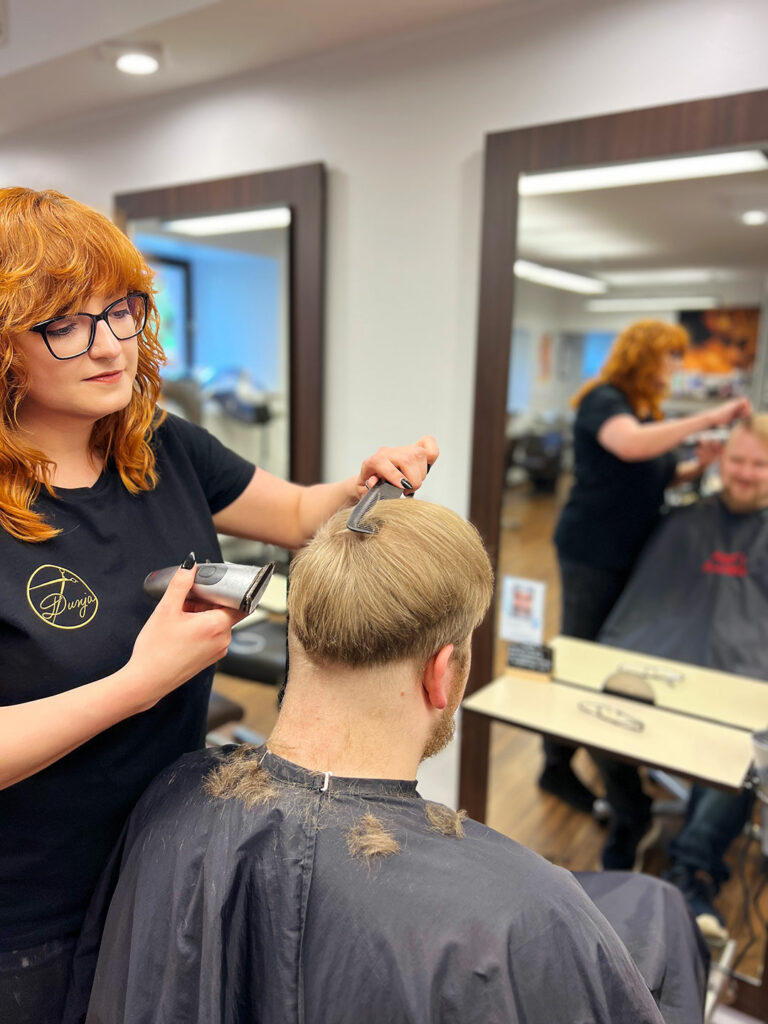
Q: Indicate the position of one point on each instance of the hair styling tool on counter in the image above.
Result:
(610, 714)
(381, 489)
(221, 583)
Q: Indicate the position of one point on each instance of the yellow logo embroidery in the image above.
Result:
(60, 598)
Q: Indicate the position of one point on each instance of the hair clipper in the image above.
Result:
(219, 583)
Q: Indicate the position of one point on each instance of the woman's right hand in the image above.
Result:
(175, 644)
(735, 409)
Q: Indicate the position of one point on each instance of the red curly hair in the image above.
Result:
(54, 253)
(634, 364)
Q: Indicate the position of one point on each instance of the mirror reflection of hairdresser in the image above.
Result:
(699, 594)
(98, 691)
(623, 462)
(307, 880)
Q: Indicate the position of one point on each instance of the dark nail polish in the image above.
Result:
(406, 484)
(189, 561)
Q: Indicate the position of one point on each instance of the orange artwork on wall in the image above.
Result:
(723, 340)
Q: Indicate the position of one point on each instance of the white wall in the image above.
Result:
(400, 124)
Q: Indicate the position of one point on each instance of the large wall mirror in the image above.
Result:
(677, 250)
(239, 266)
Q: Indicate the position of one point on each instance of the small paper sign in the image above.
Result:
(522, 610)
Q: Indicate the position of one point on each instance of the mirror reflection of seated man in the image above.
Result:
(307, 879)
(699, 595)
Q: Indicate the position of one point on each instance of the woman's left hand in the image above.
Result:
(404, 467)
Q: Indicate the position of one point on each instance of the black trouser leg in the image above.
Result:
(624, 791)
(34, 982)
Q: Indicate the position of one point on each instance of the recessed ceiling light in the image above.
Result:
(754, 218)
(618, 175)
(226, 223)
(137, 63)
(132, 58)
(663, 302)
(554, 278)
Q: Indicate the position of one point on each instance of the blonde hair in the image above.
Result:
(634, 362)
(422, 582)
(54, 252)
(756, 424)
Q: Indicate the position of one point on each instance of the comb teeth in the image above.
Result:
(362, 528)
(382, 489)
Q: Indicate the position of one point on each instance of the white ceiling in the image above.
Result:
(51, 66)
(678, 225)
(38, 31)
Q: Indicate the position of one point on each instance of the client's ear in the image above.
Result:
(437, 677)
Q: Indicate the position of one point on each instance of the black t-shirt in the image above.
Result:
(70, 611)
(613, 505)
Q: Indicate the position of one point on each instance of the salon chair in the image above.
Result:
(541, 455)
(258, 652)
(222, 711)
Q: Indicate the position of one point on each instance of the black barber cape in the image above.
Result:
(229, 915)
(699, 593)
(653, 921)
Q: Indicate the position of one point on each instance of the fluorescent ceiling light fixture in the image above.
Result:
(137, 63)
(754, 218)
(553, 278)
(229, 223)
(645, 173)
(669, 275)
(663, 302)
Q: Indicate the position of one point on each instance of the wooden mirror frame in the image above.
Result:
(726, 122)
(302, 189)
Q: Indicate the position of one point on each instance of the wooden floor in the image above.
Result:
(517, 807)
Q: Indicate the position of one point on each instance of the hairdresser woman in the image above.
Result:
(98, 691)
(624, 460)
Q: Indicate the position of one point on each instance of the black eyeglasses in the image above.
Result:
(67, 337)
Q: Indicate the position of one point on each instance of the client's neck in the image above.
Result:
(358, 723)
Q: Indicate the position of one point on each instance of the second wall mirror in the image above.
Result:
(538, 343)
(240, 266)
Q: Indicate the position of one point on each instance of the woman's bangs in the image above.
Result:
(100, 260)
(113, 265)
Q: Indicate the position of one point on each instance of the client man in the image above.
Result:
(699, 595)
(307, 880)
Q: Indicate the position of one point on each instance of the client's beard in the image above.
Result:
(442, 735)
(733, 504)
(445, 729)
